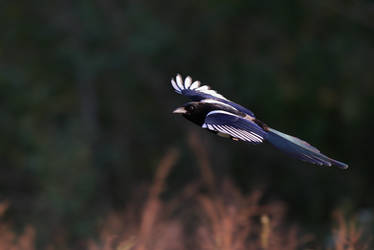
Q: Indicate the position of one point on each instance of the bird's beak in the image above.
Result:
(180, 110)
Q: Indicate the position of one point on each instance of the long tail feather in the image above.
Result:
(300, 149)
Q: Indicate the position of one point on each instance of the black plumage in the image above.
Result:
(210, 110)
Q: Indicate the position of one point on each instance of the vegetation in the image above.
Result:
(204, 215)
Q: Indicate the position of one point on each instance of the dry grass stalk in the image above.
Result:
(347, 235)
(148, 228)
(265, 231)
(233, 221)
(226, 219)
(153, 205)
(9, 240)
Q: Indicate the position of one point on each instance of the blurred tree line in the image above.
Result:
(86, 101)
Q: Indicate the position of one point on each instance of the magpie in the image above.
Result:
(214, 112)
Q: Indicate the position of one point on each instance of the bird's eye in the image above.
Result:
(190, 108)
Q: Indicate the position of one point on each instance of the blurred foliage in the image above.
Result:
(86, 101)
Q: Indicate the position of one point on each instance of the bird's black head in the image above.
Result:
(194, 111)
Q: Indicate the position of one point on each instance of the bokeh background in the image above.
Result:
(86, 101)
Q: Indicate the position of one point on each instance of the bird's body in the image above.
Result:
(214, 112)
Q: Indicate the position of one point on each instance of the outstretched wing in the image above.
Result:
(197, 92)
(194, 90)
(235, 126)
(300, 149)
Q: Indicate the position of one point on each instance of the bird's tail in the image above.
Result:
(300, 149)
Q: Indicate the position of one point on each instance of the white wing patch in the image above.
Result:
(179, 85)
(235, 133)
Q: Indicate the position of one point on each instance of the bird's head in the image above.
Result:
(193, 111)
(189, 108)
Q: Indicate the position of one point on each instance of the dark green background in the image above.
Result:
(86, 101)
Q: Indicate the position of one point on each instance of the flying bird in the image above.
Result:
(212, 111)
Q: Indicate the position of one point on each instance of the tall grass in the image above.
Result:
(207, 214)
